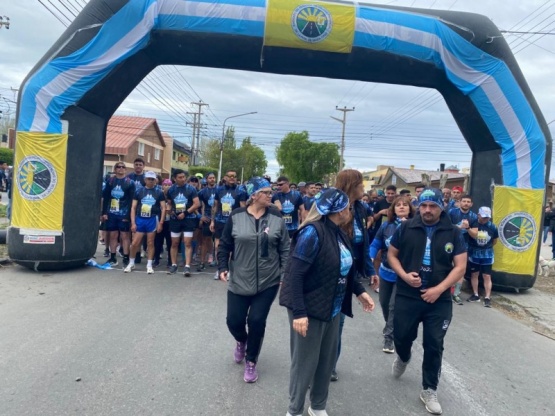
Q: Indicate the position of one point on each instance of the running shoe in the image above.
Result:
(112, 263)
(251, 375)
(173, 269)
(149, 270)
(239, 352)
(129, 268)
(457, 299)
(473, 298)
(487, 302)
(313, 412)
(388, 346)
(399, 367)
(429, 398)
(187, 271)
(334, 376)
(201, 267)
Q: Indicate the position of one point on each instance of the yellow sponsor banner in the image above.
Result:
(313, 25)
(517, 214)
(39, 181)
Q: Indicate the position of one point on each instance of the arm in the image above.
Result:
(473, 232)
(195, 206)
(133, 215)
(162, 216)
(430, 295)
(412, 278)
(214, 210)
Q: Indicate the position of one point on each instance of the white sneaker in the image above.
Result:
(289, 414)
(217, 276)
(129, 268)
(149, 270)
(313, 412)
(429, 398)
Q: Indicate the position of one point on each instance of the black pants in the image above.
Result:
(435, 318)
(387, 302)
(251, 311)
(159, 242)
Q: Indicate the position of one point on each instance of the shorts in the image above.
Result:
(218, 229)
(479, 267)
(115, 223)
(206, 229)
(186, 225)
(146, 225)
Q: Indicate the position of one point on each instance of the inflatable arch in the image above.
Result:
(67, 99)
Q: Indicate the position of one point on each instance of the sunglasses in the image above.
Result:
(120, 167)
(231, 176)
(280, 184)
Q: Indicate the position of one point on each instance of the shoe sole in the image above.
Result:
(187, 274)
(250, 381)
(429, 411)
(388, 351)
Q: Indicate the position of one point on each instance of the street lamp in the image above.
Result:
(222, 143)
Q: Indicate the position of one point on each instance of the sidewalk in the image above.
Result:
(532, 305)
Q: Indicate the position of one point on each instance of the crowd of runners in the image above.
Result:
(318, 244)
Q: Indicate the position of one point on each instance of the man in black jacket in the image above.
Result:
(428, 253)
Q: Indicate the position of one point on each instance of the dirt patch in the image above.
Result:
(546, 283)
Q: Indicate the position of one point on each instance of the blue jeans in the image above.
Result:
(545, 232)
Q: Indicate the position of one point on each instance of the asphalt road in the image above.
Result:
(159, 345)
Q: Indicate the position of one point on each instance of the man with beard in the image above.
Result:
(428, 254)
(290, 204)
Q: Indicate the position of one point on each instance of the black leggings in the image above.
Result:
(159, 242)
(252, 311)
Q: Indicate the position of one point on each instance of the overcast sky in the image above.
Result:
(386, 117)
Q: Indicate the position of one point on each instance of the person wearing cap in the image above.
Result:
(302, 188)
(317, 287)
(483, 236)
(456, 194)
(252, 255)
(149, 205)
(165, 234)
(428, 254)
(184, 205)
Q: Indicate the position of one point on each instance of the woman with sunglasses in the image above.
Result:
(252, 254)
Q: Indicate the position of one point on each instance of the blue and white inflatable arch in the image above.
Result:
(69, 96)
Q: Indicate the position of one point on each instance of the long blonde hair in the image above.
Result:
(313, 216)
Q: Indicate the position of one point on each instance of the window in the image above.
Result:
(141, 149)
(174, 156)
(148, 158)
(156, 154)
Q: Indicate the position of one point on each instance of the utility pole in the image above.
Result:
(343, 121)
(195, 153)
(194, 124)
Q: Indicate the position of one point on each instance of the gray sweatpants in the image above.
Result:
(312, 361)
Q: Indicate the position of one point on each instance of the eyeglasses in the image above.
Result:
(231, 176)
(280, 184)
(267, 193)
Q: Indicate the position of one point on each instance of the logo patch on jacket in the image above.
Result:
(449, 248)
(445, 325)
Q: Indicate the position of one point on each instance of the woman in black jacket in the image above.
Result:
(318, 285)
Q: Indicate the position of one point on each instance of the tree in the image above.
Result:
(303, 160)
(248, 157)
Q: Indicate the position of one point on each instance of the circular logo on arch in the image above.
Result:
(311, 23)
(518, 231)
(36, 178)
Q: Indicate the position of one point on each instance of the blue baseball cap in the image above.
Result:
(431, 195)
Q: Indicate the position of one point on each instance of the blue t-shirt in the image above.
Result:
(482, 246)
(139, 180)
(148, 201)
(118, 196)
(381, 242)
(181, 198)
(457, 216)
(290, 205)
(207, 196)
(307, 249)
(229, 198)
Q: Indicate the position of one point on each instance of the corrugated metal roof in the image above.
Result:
(415, 175)
(123, 131)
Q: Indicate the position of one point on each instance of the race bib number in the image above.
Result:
(146, 210)
(179, 208)
(226, 209)
(288, 219)
(114, 205)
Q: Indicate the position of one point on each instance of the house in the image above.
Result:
(128, 138)
(371, 179)
(181, 154)
(404, 178)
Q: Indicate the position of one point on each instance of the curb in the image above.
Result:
(523, 313)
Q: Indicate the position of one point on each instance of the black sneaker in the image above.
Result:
(106, 253)
(187, 271)
(173, 269)
(200, 267)
(112, 262)
(487, 302)
(125, 261)
(457, 299)
(473, 298)
(334, 376)
(388, 346)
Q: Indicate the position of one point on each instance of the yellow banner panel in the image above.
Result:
(517, 214)
(312, 25)
(39, 181)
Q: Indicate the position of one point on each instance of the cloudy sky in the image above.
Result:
(396, 125)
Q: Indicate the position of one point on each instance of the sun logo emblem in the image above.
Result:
(518, 231)
(36, 178)
(311, 23)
